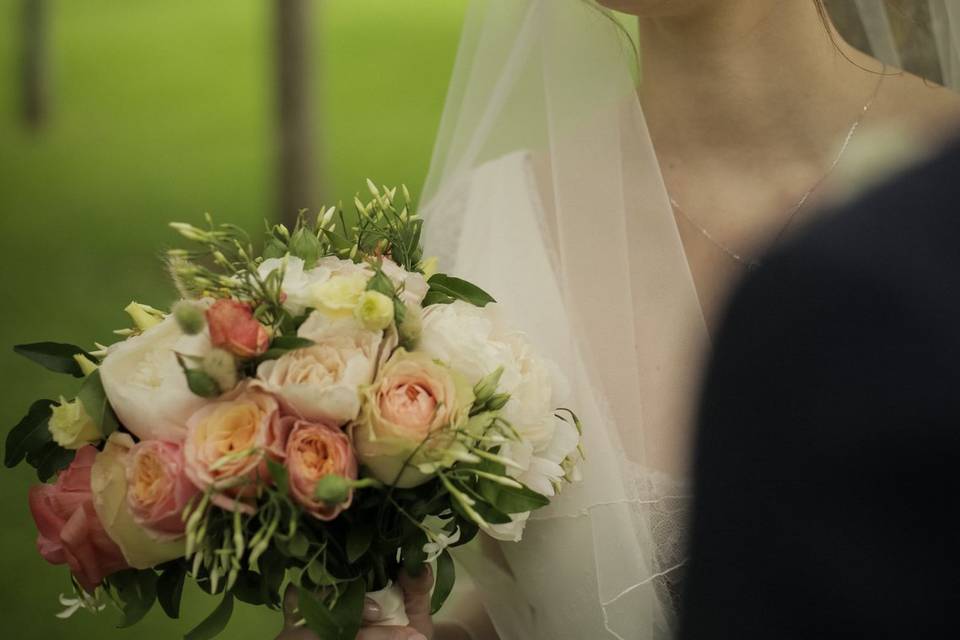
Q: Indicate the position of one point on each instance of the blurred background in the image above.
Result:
(117, 117)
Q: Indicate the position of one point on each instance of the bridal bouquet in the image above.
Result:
(326, 414)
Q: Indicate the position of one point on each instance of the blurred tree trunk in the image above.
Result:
(297, 168)
(34, 90)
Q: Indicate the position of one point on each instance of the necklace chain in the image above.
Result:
(751, 263)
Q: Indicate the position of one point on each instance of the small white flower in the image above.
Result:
(80, 601)
(439, 541)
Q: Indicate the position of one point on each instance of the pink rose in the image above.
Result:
(316, 450)
(158, 489)
(70, 532)
(233, 327)
(227, 442)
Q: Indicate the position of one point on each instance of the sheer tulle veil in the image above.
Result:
(553, 83)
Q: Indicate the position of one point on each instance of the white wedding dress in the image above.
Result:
(545, 190)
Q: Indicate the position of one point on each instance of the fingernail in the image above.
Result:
(372, 611)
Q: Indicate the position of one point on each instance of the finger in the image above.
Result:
(372, 612)
(390, 633)
(416, 599)
(416, 591)
(291, 606)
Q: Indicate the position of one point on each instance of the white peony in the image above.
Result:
(473, 341)
(145, 384)
(468, 339)
(321, 383)
(297, 281)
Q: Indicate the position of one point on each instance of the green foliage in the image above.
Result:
(95, 403)
(136, 591)
(445, 289)
(281, 345)
(30, 439)
(30, 434)
(359, 539)
(445, 576)
(49, 460)
(55, 356)
(170, 589)
(215, 623)
(338, 620)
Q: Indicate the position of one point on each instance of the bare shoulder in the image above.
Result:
(928, 109)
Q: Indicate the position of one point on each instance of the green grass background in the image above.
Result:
(161, 111)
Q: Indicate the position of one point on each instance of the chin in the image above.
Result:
(654, 8)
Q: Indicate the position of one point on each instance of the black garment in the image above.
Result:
(827, 473)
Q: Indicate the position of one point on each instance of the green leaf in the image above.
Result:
(290, 342)
(170, 590)
(215, 623)
(443, 585)
(491, 513)
(412, 554)
(509, 499)
(281, 345)
(299, 545)
(436, 297)
(340, 622)
(138, 591)
(55, 356)
(95, 403)
(251, 588)
(50, 459)
(381, 283)
(447, 288)
(279, 474)
(359, 538)
(29, 434)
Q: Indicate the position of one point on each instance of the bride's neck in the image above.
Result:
(743, 74)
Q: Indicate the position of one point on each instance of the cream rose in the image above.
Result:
(108, 483)
(321, 383)
(145, 383)
(227, 442)
(408, 417)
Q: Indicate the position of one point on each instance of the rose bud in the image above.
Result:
(233, 327)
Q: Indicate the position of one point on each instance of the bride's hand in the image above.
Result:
(416, 592)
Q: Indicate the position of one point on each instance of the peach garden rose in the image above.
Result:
(409, 411)
(158, 488)
(227, 442)
(314, 451)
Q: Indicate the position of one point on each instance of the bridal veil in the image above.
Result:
(588, 240)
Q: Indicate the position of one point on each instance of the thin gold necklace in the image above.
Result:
(752, 263)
